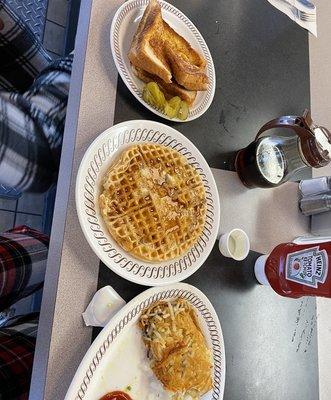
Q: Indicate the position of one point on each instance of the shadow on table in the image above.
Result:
(228, 273)
(225, 273)
(218, 274)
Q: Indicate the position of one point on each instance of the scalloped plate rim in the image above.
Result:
(132, 305)
(159, 281)
(206, 53)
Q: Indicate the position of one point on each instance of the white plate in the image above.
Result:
(95, 164)
(123, 28)
(115, 359)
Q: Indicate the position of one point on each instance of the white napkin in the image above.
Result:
(285, 7)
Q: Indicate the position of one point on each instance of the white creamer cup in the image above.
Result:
(234, 244)
(103, 306)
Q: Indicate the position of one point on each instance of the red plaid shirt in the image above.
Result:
(23, 256)
(17, 344)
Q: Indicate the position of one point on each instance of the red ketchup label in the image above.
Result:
(296, 270)
(308, 267)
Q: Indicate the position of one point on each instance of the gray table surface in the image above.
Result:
(262, 71)
(260, 74)
(270, 341)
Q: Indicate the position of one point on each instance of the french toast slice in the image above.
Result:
(186, 74)
(146, 49)
(169, 89)
(160, 51)
(187, 65)
(181, 46)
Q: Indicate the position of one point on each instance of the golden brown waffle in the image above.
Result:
(153, 202)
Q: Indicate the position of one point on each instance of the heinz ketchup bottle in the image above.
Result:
(296, 270)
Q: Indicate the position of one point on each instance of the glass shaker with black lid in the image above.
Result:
(273, 159)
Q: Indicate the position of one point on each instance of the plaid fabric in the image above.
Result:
(27, 325)
(17, 344)
(22, 54)
(23, 256)
(31, 129)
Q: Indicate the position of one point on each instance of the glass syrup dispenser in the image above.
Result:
(273, 159)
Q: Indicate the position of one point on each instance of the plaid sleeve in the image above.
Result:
(17, 345)
(31, 129)
(23, 256)
(22, 54)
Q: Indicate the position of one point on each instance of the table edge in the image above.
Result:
(40, 364)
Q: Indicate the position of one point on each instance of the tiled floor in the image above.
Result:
(8, 204)
(57, 11)
(27, 210)
(31, 203)
(54, 35)
(7, 219)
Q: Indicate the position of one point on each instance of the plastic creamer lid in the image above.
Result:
(103, 306)
(259, 270)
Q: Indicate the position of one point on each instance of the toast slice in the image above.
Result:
(169, 89)
(188, 75)
(159, 50)
(146, 49)
(187, 65)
